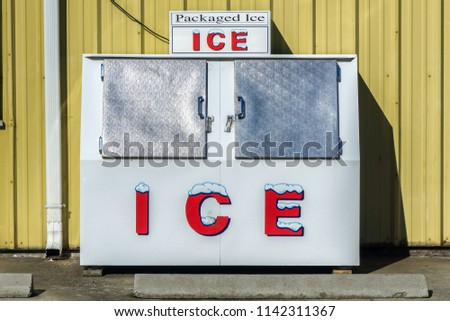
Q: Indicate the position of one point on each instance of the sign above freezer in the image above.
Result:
(238, 32)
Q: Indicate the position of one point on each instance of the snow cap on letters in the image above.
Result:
(142, 188)
(283, 188)
(208, 188)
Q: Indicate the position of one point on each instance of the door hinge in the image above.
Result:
(102, 72)
(100, 145)
(338, 73)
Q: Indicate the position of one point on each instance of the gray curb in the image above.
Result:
(338, 286)
(16, 285)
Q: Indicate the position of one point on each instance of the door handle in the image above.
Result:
(241, 115)
(200, 101)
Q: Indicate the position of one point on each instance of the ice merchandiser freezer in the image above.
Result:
(220, 161)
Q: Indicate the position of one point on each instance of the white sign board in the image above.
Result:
(217, 32)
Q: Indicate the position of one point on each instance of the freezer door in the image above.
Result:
(154, 108)
(292, 103)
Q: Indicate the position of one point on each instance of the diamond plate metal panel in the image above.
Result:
(150, 105)
(292, 103)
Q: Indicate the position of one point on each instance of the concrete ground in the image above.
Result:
(63, 279)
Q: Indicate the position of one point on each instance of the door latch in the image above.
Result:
(230, 121)
(209, 121)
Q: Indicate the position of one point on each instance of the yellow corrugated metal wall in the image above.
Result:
(22, 144)
(404, 56)
(7, 208)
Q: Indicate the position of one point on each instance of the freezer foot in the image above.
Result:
(343, 270)
(93, 271)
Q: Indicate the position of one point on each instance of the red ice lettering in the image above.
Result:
(208, 226)
(282, 201)
(281, 206)
(239, 40)
(211, 42)
(142, 202)
(196, 40)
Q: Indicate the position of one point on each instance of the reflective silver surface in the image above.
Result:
(295, 101)
(152, 101)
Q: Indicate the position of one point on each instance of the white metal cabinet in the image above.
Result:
(329, 210)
